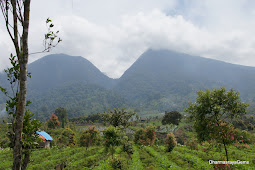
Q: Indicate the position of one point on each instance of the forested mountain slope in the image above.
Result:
(159, 80)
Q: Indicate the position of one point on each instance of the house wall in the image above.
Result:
(47, 144)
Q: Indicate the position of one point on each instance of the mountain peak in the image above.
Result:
(56, 69)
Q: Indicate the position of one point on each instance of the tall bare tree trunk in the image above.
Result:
(23, 59)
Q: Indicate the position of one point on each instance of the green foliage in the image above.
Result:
(50, 37)
(118, 117)
(84, 95)
(170, 142)
(213, 106)
(244, 123)
(67, 138)
(191, 144)
(145, 136)
(30, 126)
(61, 113)
(222, 132)
(128, 147)
(143, 158)
(173, 117)
(85, 119)
(211, 112)
(242, 136)
(162, 160)
(136, 162)
(116, 162)
(112, 137)
(53, 123)
(180, 135)
(89, 137)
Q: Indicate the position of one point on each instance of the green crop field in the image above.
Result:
(143, 157)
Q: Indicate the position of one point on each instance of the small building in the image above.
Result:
(143, 119)
(46, 139)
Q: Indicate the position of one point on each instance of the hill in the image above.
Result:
(167, 80)
(160, 80)
(77, 98)
(71, 82)
(57, 69)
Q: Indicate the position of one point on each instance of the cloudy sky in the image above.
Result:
(112, 34)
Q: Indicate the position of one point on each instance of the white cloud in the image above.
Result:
(113, 35)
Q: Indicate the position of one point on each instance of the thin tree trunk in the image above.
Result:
(23, 59)
(26, 159)
(226, 151)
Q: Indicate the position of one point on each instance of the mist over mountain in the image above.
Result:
(56, 69)
(167, 80)
(159, 80)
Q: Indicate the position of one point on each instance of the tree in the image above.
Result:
(89, 137)
(61, 113)
(17, 25)
(212, 112)
(145, 136)
(67, 137)
(30, 126)
(173, 117)
(170, 142)
(118, 117)
(53, 122)
(112, 137)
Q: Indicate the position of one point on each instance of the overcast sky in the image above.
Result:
(112, 34)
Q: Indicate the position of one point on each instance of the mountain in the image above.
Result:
(160, 80)
(77, 98)
(163, 79)
(57, 69)
(72, 82)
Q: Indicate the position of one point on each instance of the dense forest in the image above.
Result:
(160, 80)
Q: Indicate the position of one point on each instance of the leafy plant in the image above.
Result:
(145, 136)
(191, 143)
(212, 110)
(112, 138)
(53, 123)
(89, 137)
(67, 138)
(170, 142)
(118, 117)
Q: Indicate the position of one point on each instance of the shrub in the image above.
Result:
(128, 147)
(145, 136)
(67, 138)
(170, 142)
(89, 137)
(181, 136)
(116, 163)
(192, 144)
(243, 136)
(53, 123)
(112, 137)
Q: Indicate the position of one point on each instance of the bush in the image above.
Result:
(243, 136)
(67, 138)
(112, 137)
(170, 142)
(145, 136)
(89, 137)
(192, 144)
(5, 143)
(116, 163)
(128, 147)
(181, 136)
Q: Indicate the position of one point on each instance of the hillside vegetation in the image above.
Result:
(160, 80)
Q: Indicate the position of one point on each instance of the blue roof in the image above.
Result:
(45, 135)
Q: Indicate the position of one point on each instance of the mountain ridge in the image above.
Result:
(157, 81)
